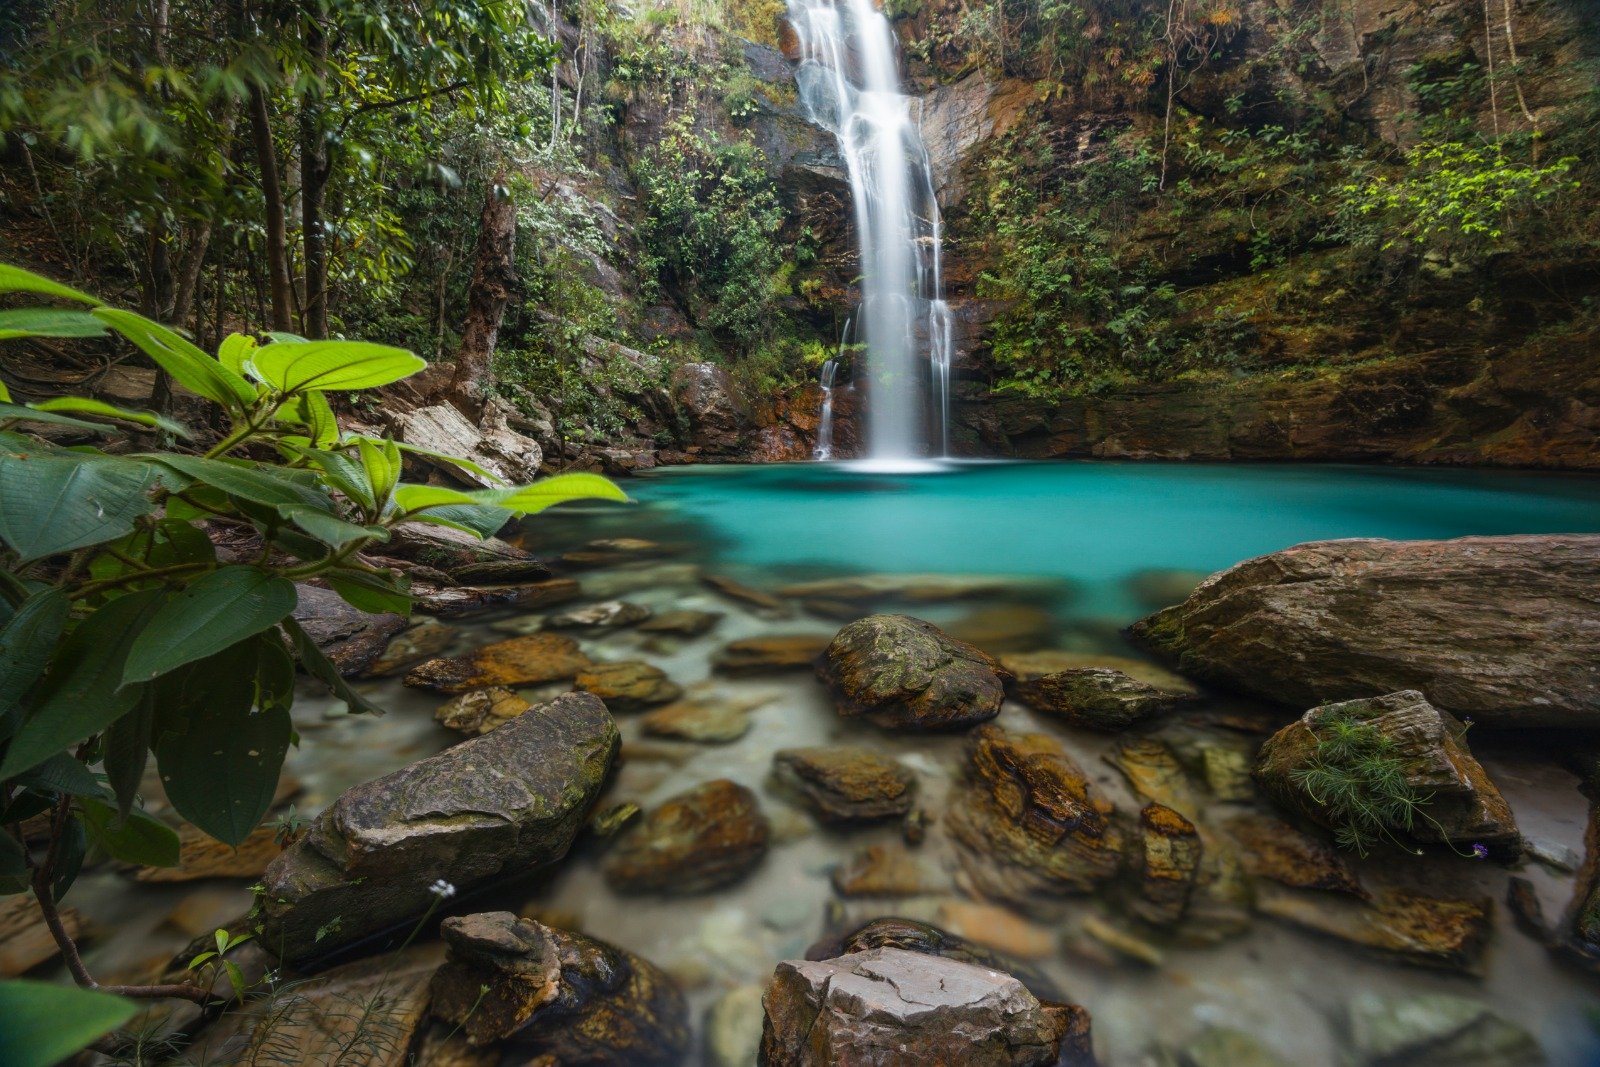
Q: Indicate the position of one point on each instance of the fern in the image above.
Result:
(1356, 775)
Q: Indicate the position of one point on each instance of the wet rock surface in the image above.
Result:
(1169, 864)
(702, 839)
(843, 784)
(629, 685)
(548, 992)
(708, 719)
(481, 710)
(898, 1009)
(605, 615)
(1457, 805)
(902, 672)
(1443, 933)
(1096, 698)
(529, 660)
(1436, 1030)
(1340, 620)
(351, 639)
(454, 602)
(1030, 825)
(421, 642)
(510, 801)
(770, 655)
(681, 623)
(1271, 848)
(889, 870)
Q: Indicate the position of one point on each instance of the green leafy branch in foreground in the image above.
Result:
(123, 635)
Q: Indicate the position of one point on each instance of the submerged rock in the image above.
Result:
(1222, 1046)
(893, 1008)
(423, 641)
(530, 660)
(1030, 665)
(771, 654)
(1006, 628)
(1456, 804)
(843, 784)
(705, 838)
(1339, 620)
(1031, 827)
(481, 710)
(889, 870)
(350, 638)
(910, 588)
(1426, 931)
(1096, 698)
(628, 686)
(509, 801)
(1155, 773)
(1157, 587)
(606, 615)
(682, 623)
(550, 993)
(1271, 848)
(759, 599)
(1436, 1030)
(733, 1027)
(1169, 864)
(902, 672)
(610, 551)
(706, 719)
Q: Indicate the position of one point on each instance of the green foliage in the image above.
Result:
(1356, 776)
(710, 230)
(123, 635)
(1452, 196)
(44, 1024)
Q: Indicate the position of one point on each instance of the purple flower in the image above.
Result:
(1480, 851)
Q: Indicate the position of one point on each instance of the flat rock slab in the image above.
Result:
(892, 1008)
(455, 601)
(770, 655)
(629, 685)
(1426, 931)
(1502, 629)
(509, 801)
(701, 839)
(530, 660)
(844, 784)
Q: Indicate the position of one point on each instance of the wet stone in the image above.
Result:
(702, 839)
(770, 655)
(606, 615)
(997, 928)
(902, 672)
(1436, 1030)
(1154, 772)
(500, 572)
(888, 870)
(1096, 698)
(481, 710)
(456, 601)
(1271, 848)
(1006, 628)
(843, 784)
(423, 641)
(1171, 861)
(629, 685)
(681, 623)
(764, 602)
(707, 719)
(733, 1027)
(1426, 931)
(519, 661)
(612, 551)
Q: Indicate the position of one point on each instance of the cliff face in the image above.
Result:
(1279, 335)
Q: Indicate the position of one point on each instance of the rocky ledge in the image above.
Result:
(1502, 629)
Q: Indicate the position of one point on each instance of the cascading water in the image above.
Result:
(849, 83)
(824, 449)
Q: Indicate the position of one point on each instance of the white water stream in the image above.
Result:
(849, 81)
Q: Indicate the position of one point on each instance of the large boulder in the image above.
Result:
(893, 1008)
(902, 672)
(551, 993)
(712, 405)
(1031, 827)
(508, 802)
(1502, 629)
(1312, 764)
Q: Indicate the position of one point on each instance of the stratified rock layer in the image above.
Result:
(902, 672)
(509, 801)
(1503, 629)
(701, 839)
(842, 784)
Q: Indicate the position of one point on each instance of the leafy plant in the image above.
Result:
(122, 634)
(44, 1023)
(206, 964)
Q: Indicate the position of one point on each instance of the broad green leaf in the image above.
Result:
(73, 847)
(234, 351)
(373, 593)
(479, 520)
(5, 394)
(330, 529)
(12, 862)
(321, 425)
(133, 837)
(220, 756)
(551, 491)
(343, 473)
(283, 337)
(56, 503)
(49, 322)
(248, 481)
(127, 748)
(23, 413)
(61, 773)
(314, 663)
(211, 614)
(382, 472)
(412, 497)
(17, 280)
(323, 365)
(82, 693)
(188, 365)
(46, 1022)
(87, 406)
(27, 640)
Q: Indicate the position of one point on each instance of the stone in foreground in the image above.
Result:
(508, 802)
(1458, 806)
(550, 993)
(707, 837)
(843, 784)
(902, 672)
(1436, 1030)
(1503, 629)
(892, 1008)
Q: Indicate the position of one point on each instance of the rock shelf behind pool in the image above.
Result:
(508, 802)
(549, 992)
(903, 672)
(707, 837)
(1503, 629)
(893, 1008)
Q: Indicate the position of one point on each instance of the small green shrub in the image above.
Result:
(1355, 774)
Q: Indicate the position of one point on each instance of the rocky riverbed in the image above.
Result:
(632, 808)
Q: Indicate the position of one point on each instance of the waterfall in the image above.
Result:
(850, 84)
(824, 449)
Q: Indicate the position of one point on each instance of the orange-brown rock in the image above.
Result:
(707, 837)
(530, 660)
(844, 784)
(629, 685)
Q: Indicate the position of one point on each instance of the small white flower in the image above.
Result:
(442, 889)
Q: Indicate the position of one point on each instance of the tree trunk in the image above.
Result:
(278, 283)
(493, 274)
(314, 172)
